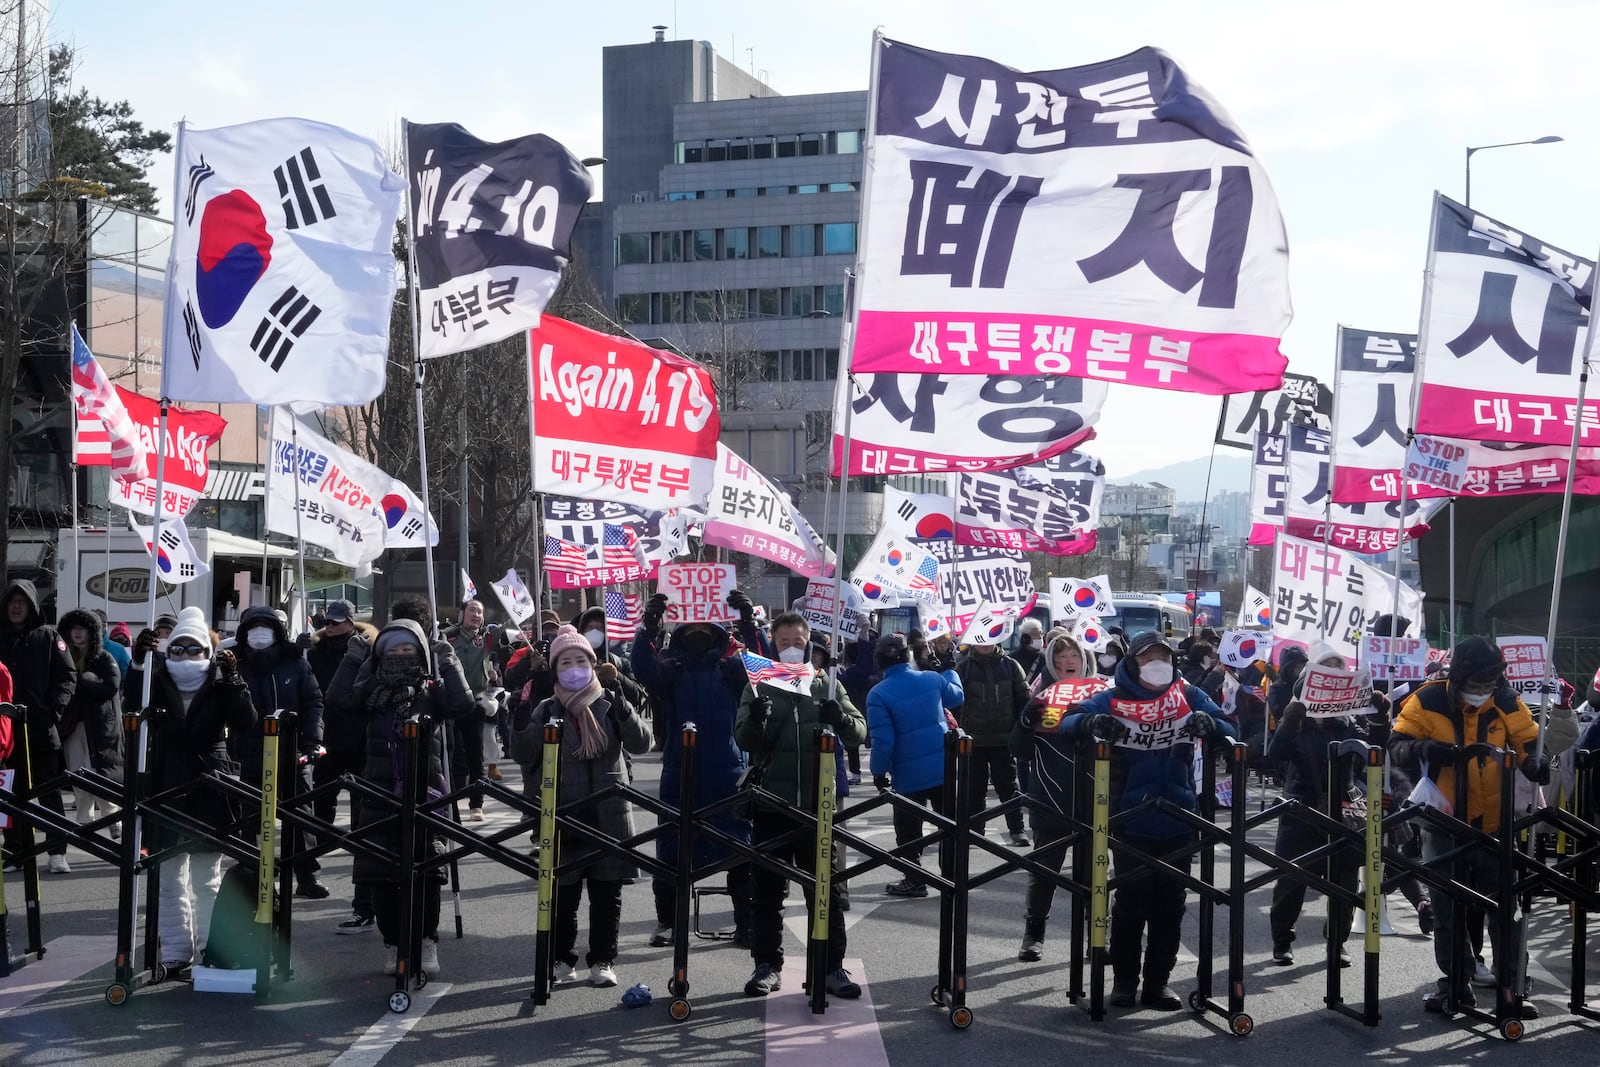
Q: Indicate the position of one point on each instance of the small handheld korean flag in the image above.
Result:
(935, 619)
(1256, 608)
(1075, 598)
(514, 596)
(176, 560)
(1240, 648)
(790, 677)
(988, 627)
(468, 590)
(1090, 634)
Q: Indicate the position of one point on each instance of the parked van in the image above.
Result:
(1137, 614)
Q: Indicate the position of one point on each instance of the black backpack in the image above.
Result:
(233, 942)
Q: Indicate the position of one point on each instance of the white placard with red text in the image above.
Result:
(697, 592)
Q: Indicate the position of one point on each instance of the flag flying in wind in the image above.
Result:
(790, 677)
(620, 547)
(564, 556)
(749, 514)
(1075, 598)
(990, 626)
(494, 226)
(514, 596)
(177, 561)
(283, 273)
(106, 435)
(1240, 648)
(1256, 608)
(190, 435)
(624, 612)
(1053, 507)
(1366, 528)
(468, 590)
(892, 562)
(1106, 221)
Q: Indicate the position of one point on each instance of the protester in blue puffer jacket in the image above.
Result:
(699, 678)
(906, 721)
(1140, 775)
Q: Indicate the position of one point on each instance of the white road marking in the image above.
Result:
(846, 1033)
(384, 1034)
(66, 959)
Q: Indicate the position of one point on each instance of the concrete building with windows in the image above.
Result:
(729, 223)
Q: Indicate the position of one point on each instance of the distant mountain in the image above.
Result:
(1232, 472)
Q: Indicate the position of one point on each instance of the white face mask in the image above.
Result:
(1106, 661)
(161, 645)
(1477, 697)
(260, 637)
(596, 638)
(1156, 675)
(188, 674)
(792, 655)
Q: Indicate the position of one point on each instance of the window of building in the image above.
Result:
(716, 151)
(671, 307)
(671, 244)
(739, 149)
(692, 152)
(769, 302)
(714, 194)
(704, 244)
(802, 301)
(786, 145)
(633, 248)
(747, 191)
(736, 243)
(769, 242)
(683, 196)
(735, 303)
(847, 142)
(761, 148)
(770, 363)
(839, 187)
(775, 190)
(802, 240)
(808, 188)
(705, 306)
(633, 308)
(838, 238)
(830, 364)
(811, 144)
(833, 299)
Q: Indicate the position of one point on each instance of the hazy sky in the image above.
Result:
(1358, 110)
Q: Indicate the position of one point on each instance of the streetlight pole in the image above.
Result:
(1548, 139)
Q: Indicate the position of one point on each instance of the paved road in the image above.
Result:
(478, 1011)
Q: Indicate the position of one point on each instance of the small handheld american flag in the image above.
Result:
(561, 555)
(927, 575)
(789, 677)
(104, 428)
(624, 611)
(620, 547)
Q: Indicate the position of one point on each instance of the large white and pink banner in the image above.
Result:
(1374, 382)
(1053, 507)
(1502, 341)
(1369, 527)
(1106, 221)
(749, 514)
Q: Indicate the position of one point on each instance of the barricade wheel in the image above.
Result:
(399, 1002)
(158, 973)
(117, 994)
(1242, 1025)
(937, 995)
(961, 1018)
(1512, 1029)
(677, 988)
(421, 978)
(1196, 1001)
(679, 1010)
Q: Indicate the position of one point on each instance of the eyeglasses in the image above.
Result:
(186, 652)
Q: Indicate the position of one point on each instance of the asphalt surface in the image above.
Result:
(479, 1012)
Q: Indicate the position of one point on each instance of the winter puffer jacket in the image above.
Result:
(788, 739)
(995, 690)
(1052, 754)
(1138, 776)
(96, 699)
(905, 718)
(280, 679)
(42, 674)
(344, 729)
(1432, 713)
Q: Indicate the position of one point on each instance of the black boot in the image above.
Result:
(1032, 950)
(1158, 995)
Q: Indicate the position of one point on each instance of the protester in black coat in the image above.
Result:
(344, 735)
(44, 680)
(91, 729)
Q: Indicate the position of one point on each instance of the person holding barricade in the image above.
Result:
(599, 726)
(1146, 686)
(780, 729)
(196, 696)
(1471, 704)
(698, 678)
(91, 728)
(1050, 787)
(995, 689)
(45, 679)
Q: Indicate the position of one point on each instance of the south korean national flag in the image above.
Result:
(990, 626)
(1256, 608)
(176, 560)
(514, 596)
(1077, 598)
(1240, 648)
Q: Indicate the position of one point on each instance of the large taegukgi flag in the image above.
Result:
(1375, 380)
(1502, 340)
(1106, 221)
(494, 226)
(283, 273)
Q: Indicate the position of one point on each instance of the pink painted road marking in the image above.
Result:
(846, 1033)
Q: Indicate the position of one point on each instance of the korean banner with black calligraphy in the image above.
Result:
(1032, 509)
(1500, 349)
(283, 276)
(749, 514)
(1374, 381)
(1357, 594)
(904, 423)
(1369, 528)
(1329, 692)
(618, 420)
(339, 493)
(1302, 399)
(1106, 221)
(971, 576)
(494, 226)
(190, 435)
(1269, 487)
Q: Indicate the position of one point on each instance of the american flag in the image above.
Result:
(621, 548)
(561, 555)
(106, 435)
(624, 612)
(927, 576)
(790, 677)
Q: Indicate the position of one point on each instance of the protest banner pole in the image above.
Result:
(417, 375)
(300, 541)
(1411, 426)
(105, 579)
(1452, 616)
(155, 538)
(72, 473)
(266, 534)
(535, 574)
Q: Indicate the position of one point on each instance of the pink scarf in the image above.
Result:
(583, 737)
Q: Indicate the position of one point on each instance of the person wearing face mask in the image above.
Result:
(1471, 705)
(45, 679)
(1029, 654)
(698, 678)
(592, 626)
(1107, 659)
(599, 726)
(475, 743)
(196, 698)
(280, 679)
(1199, 662)
(996, 691)
(1139, 775)
(91, 728)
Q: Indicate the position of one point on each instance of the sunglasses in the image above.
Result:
(186, 652)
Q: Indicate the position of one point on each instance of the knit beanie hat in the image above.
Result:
(569, 637)
(191, 626)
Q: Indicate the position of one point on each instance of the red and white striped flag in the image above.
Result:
(565, 556)
(106, 436)
(624, 612)
(620, 547)
(790, 677)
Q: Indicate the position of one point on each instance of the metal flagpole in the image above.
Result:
(536, 574)
(266, 502)
(416, 357)
(299, 541)
(1416, 397)
(105, 579)
(1452, 617)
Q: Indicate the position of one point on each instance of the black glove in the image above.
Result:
(1294, 712)
(1200, 725)
(1436, 754)
(1380, 704)
(1536, 771)
(760, 708)
(654, 612)
(830, 713)
(741, 603)
(1107, 727)
(144, 644)
(303, 642)
(881, 781)
(156, 716)
(311, 753)
(1029, 718)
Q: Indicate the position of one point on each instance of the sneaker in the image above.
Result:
(391, 959)
(13, 866)
(357, 923)
(59, 865)
(1020, 839)
(906, 888)
(1482, 976)
(1425, 918)
(1435, 1001)
(840, 985)
(1282, 954)
(311, 888)
(854, 779)
(1122, 994)
(1032, 950)
(475, 815)
(1161, 998)
(564, 972)
(492, 772)
(662, 937)
(1344, 956)
(430, 957)
(765, 980)
(603, 975)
